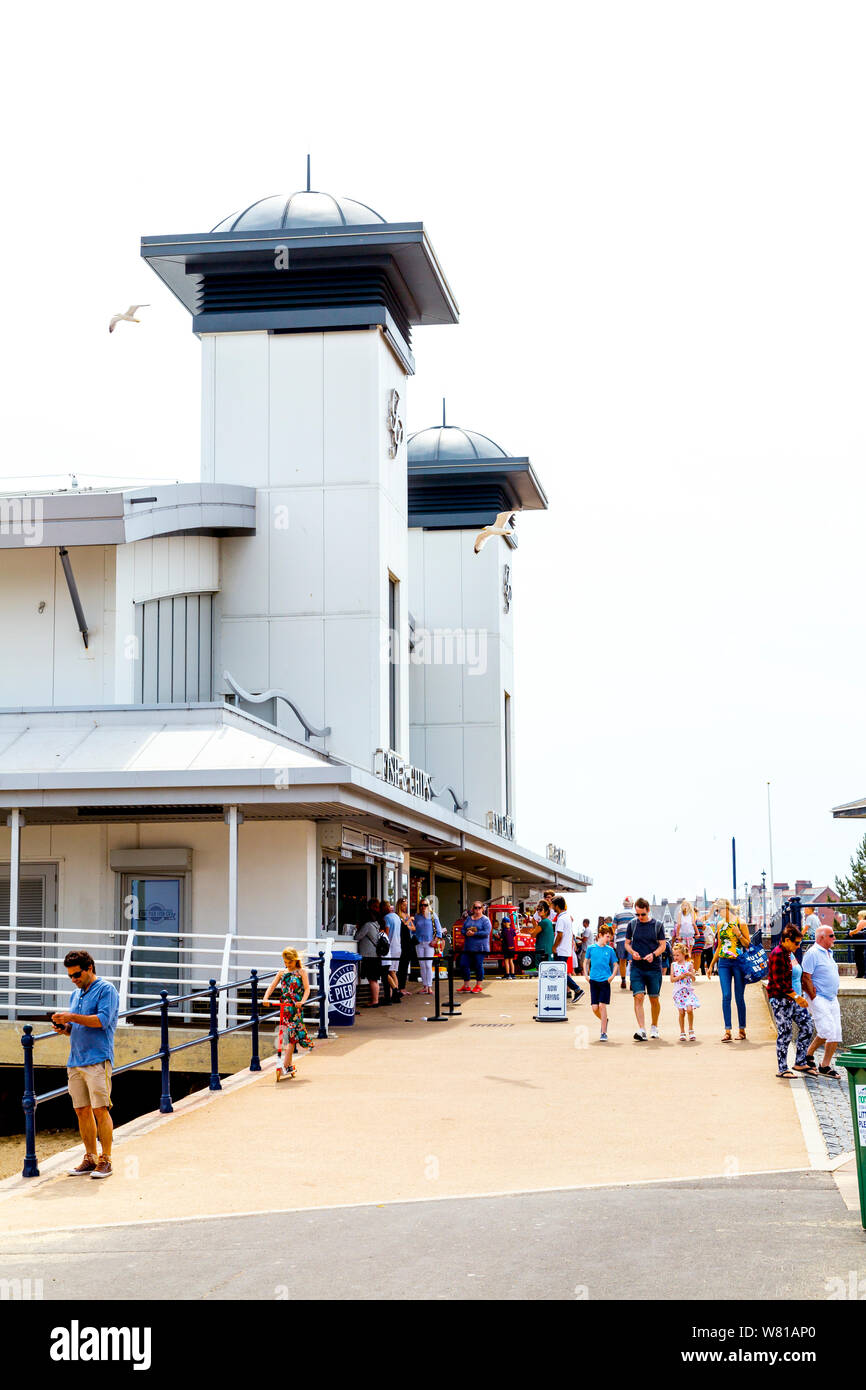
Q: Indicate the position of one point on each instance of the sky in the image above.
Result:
(652, 217)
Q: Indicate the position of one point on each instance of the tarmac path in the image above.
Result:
(400, 1110)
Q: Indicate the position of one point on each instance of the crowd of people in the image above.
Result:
(391, 940)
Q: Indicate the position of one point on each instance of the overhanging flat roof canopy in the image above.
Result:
(119, 515)
(851, 810)
(88, 766)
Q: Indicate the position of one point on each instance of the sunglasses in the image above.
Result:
(74, 974)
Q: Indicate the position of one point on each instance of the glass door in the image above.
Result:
(154, 906)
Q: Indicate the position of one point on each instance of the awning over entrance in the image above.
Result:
(192, 762)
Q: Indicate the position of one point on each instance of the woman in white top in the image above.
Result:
(685, 930)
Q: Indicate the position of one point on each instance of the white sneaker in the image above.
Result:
(654, 1032)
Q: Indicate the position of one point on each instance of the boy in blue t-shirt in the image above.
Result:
(600, 968)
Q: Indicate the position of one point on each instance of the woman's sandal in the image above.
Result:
(785, 1075)
(806, 1070)
(727, 1038)
(741, 1034)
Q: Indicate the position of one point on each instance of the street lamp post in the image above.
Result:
(764, 899)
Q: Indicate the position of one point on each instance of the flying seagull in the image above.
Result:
(128, 317)
(500, 527)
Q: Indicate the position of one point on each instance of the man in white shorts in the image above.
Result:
(821, 984)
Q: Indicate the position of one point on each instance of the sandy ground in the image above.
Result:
(400, 1109)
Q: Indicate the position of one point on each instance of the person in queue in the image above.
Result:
(732, 939)
(563, 944)
(426, 926)
(543, 931)
(476, 942)
(407, 945)
(391, 963)
(366, 936)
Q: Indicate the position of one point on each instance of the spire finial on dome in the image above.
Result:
(308, 173)
(443, 412)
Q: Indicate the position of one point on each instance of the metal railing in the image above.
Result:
(134, 961)
(30, 1100)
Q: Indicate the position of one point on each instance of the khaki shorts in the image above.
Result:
(90, 1086)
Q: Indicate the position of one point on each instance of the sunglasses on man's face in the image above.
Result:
(74, 974)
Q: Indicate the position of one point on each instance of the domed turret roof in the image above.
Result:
(450, 444)
(283, 211)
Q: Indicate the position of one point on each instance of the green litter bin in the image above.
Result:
(853, 1059)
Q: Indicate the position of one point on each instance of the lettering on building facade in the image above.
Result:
(398, 773)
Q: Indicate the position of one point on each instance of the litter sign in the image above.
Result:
(860, 1103)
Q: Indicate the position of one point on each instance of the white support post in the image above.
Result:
(233, 818)
(327, 980)
(223, 1000)
(15, 821)
(125, 971)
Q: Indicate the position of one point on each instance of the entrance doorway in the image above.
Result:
(448, 900)
(353, 894)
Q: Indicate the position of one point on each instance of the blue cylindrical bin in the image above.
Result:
(342, 988)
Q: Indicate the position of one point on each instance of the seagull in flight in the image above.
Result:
(500, 527)
(128, 317)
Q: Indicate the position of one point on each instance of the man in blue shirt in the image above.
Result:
(392, 924)
(821, 984)
(90, 1023)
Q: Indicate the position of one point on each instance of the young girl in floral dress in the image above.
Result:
(684, 996)
(292, 988)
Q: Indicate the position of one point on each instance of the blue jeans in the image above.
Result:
(731, 971)
(472, 962)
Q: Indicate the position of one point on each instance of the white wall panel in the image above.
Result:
(241, 409)
(297, 551)
(296, 409)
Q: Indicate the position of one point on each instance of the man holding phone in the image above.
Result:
(90, 1023)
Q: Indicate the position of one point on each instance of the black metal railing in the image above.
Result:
(30, 1100)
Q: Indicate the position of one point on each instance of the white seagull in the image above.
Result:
(128, 317)
(500, 527)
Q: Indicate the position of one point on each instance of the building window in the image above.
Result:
(508, 780)
(175, 645)
(393, 659)
(35, 956)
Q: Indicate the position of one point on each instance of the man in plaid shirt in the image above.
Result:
(788, 1005)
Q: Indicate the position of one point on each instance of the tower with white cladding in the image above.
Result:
(305, 306)
(463, 493)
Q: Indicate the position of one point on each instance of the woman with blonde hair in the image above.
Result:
(292, 987)
(857, 935)
(732, 939)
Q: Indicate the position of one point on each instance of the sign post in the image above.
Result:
(552, 989)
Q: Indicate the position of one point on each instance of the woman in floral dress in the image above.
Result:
(292, 988)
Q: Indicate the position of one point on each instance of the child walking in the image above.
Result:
(684, 996)
(600, 967)
(292, 988)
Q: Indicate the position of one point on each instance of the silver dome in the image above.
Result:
(449, 444)
(286, 211)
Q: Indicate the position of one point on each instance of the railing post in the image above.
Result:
(165, 1105)
(255, 1063)
(451, 1006)
(323, 999)
(31, 1168)
(438, 1016)
(214, 1083)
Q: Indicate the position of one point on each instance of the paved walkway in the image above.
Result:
(832, 1107)
(397, 1109)
(786, 1235)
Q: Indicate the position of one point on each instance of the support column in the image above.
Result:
(234, 818)
(15, 821)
